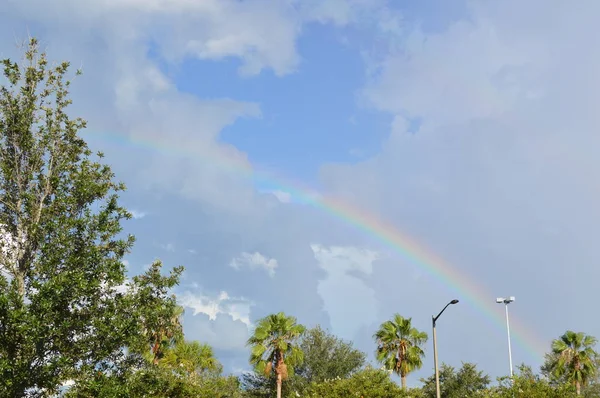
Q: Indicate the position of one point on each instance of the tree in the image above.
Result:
(399, 346)
(274, 346)
(191, 358)
(369, 382)
(525, 384)
(60, 312)
(573, 359)
(591, 389)
(156, 382)
(160, 362)
(157, 312)
(467, 382)
(325, 357)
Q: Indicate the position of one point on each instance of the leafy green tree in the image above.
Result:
(164, 364)
(366, 383)
(526, 384)
(259, 385)
(156, 311)
(61, 258)
(467, 382)
(191, 358)
(573, 359)
(156, 382)
(326, 357)
(590, 390)
(399, 346)
(153, 312)
(274, 347)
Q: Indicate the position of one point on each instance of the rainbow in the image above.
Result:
(466, 289)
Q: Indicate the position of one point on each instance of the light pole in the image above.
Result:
(506, 302)
(435, 358)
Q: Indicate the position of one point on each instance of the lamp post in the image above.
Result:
(506, 302)
(435, 358)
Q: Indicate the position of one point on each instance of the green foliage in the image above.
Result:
(156, 382)
(258, 385)
(157, 312)
(190, 358)
(467, 382)
(399, 346)
(572, 359)
(525, 384)
(60, 222)
(326, 357)
(274, 345)
(367, 383)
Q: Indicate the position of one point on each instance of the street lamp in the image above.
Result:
(506, 302)
(435, 358)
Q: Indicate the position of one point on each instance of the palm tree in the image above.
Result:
(190, 357)
(274, 346)
(165, 333)
(399, 346)
(574, 358)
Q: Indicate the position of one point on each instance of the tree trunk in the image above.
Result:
(20, 285)
(279, 382)
(403, 380)
(578, 387)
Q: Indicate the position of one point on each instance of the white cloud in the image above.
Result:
(262, 33)
(503, 102)
(222, 333)
(282, 196)
(136, 214)
(175, 135)
(342, 12)
(343, 288)
(237, 308)
(255, 260)
(340, 259)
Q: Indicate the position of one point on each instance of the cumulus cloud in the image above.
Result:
(135, 101)
(221, 321)
(343, 287)
(237, 308)
(491, 158)
(255, 260)
(261, 33)
(490, 149)
(224, 333)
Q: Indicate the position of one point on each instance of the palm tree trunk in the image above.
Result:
(155, 349)
(279, 382)
(578, 387)
(403, 380)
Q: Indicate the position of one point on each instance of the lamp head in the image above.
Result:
(507, 300)
(455, 301)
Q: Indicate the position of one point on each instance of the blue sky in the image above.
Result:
(444, 118)
(304, 114)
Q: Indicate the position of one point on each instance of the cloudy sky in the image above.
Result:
(251, 133)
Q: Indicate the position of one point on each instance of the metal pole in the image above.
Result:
(435, 361)
(509, 349)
